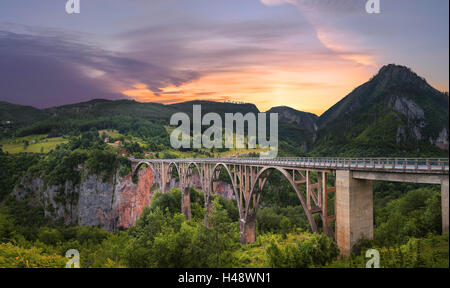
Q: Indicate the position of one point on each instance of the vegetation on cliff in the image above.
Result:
(163, 238)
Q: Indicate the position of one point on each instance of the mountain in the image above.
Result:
(76, 118)
(305, 120)
(13, 116)
(395, 113)
(108, 108)
(20, 114)
(297, 130)
(217, 107)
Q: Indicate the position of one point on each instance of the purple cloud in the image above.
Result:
(45, 68)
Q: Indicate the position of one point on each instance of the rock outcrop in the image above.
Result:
(111, 204)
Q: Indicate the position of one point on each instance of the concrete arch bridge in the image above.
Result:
(353, 201)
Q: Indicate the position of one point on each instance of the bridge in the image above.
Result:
(315, 180)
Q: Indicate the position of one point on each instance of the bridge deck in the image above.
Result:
(392, 165)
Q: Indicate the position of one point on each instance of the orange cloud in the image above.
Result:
(307, 89)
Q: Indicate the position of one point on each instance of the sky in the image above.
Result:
(306, 54)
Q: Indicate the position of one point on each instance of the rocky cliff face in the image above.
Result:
(130, 199)
(396, 112)
(112, 204)
(306, 121)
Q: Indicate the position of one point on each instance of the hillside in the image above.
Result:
(216, 107)
(307, 121)
(395, 113)
(14, 116)
(77, 181)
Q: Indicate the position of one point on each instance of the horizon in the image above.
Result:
(225, 101)
(239, 51)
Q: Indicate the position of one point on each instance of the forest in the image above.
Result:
(407, 223)
(63, 146)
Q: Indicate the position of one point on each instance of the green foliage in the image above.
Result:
(101, 162)
(27, 219)
(231, 208)
(90, 235)
(161, 241)
(12, 256)
(50, 236)
(170, 202)
(308, 251)
(281, 220)
(429, 252)
(279, 192)
(415, 214)
(124, 166)
(12, 168)
(6, 227)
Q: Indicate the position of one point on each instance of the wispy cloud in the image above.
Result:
(327, 17)
(307, 53)
(49, 67)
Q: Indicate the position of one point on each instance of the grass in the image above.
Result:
(43, 144)
(110, 133)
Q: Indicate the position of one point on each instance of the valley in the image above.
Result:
(66, 182)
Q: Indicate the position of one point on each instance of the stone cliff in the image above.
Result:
(111, 204)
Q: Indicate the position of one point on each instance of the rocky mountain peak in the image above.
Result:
(393, 74)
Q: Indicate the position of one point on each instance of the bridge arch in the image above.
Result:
(195, 165)
(149, 164)
(156, 171)
(171, 166)
(233, 184)
(168, 172)
(288, 177)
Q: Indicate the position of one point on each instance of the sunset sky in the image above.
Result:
(306, 54)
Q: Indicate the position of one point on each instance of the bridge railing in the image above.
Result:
(438, 165)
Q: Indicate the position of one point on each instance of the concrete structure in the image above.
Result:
(354, 210)
(353, 192)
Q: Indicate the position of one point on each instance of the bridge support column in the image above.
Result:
(354, 210)
(207, 212)
(186, 203)
(248, 229)
(444, 197)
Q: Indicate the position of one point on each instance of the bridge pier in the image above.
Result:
(186, 203)
(444, 199)
(354, 210)
(248, 228)
(207, 211)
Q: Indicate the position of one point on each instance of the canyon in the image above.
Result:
(111, 204)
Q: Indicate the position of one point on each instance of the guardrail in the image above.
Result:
(427, 165)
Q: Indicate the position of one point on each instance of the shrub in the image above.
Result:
(311, 250)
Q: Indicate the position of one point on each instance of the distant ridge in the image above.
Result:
(305, 120)
(395, 113)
